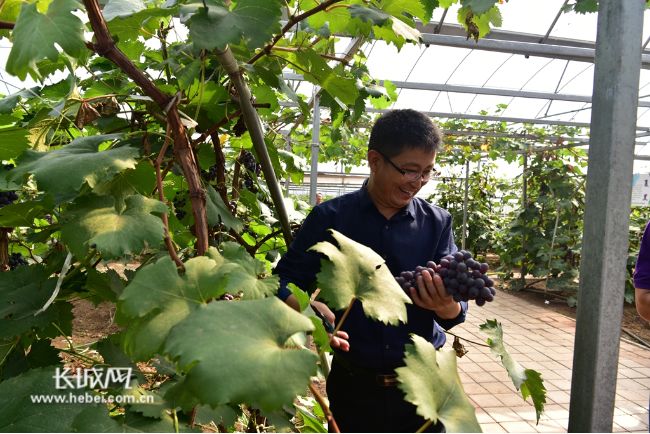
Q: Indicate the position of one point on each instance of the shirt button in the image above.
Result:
(387, 347)
(386, 227)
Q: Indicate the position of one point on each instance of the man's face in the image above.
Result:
(393, 188)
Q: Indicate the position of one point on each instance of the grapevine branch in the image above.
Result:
(254, 126)
(105, 47)
(161, 197)
(292, 22)
(331, 423)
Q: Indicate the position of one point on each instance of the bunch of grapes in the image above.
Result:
(210, 174)
(463, 276)
(7, 198)
(16, 260)
(179, 202)
(247, 159)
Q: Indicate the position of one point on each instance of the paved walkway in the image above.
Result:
(541, 339)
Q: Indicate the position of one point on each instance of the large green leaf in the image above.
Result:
(430, 381)
(217, 26)
(528, 380)
(62, 172)
(23, 292)
(94, 222)
(158, 298)
(316, 70)
(356, 271)
(229, 363)
(218, 212)
(14, 142)
(244, 273)
(36, 35)
(18, 413)
(122, 8)
(24, 213)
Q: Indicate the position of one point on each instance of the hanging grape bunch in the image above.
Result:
(247, 159)
(7, 197)
(210, 174)
(463, 276)
(16, 260)
(179, 202)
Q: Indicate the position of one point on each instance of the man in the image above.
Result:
(406, 231)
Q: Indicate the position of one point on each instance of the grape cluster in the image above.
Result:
(7, 197)
(463, 276)
(247, 160)
(179, 202)
(16, 260)
(210, 174)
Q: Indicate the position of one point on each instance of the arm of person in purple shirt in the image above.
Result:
(642, 277)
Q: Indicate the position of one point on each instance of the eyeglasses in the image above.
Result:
(412, 175)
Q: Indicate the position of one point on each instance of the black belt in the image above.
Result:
(382, 380)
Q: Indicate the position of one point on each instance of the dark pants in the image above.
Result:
(359, 404)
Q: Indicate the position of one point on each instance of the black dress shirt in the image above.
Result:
(418, 233)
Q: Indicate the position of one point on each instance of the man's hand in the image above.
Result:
(431, 294)
(340, 341)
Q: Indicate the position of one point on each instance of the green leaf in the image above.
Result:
(122, 8)
(104, 286)
(9, 102)
(19, 414)
(142, 23)
(404, 10)
(430, 381)
(256, 21)
(35, 35)
(62, 172)
(94, 222)
(356, 271)
(14, 142)
(317, 71)
(529, 381)
(242, 272)
(218, 212)
(23, 213)
(227, 363)
(23, 292)
(479, 6)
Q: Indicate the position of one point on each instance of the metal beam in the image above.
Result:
(441, 87)
(579, 54)
(607, 215)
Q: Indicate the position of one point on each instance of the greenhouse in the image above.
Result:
(324, 215)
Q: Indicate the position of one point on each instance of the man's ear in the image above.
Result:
(373, 159)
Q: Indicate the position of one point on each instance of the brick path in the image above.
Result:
(541, 339)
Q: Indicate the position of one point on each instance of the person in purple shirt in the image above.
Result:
(406, 231)
(642, 276)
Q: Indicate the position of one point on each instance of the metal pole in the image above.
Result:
(607, 212)
(315, 145)
(524, 201)
(465, 204)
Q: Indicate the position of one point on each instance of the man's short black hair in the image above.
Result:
(398, 130)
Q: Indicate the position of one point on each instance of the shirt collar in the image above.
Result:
(366, 202)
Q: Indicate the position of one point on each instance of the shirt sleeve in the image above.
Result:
(642, 268)
(299, 266)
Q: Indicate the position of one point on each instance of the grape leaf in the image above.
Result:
(356, 271)
(528, 380)
(244, 273)
(35, 35)
(19, 414)
(405, 10)
(430, 381)
(253, 20)
(218, 212)
(158, 298)
(94, 222)
(479, 7)
(63, 171)
(23, 292)
(14, 142)
(24, 213)
(122, 8)
(9, 102)
(227, 363)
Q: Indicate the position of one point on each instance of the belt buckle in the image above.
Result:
(388, 380)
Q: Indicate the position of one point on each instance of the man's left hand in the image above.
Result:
(431, 294)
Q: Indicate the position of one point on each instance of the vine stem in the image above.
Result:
(105, 47)
(161, 197)
(254, 126)
(292, 22)
(345, 315)
(465, 339)
(426, 425)
(328, 413)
